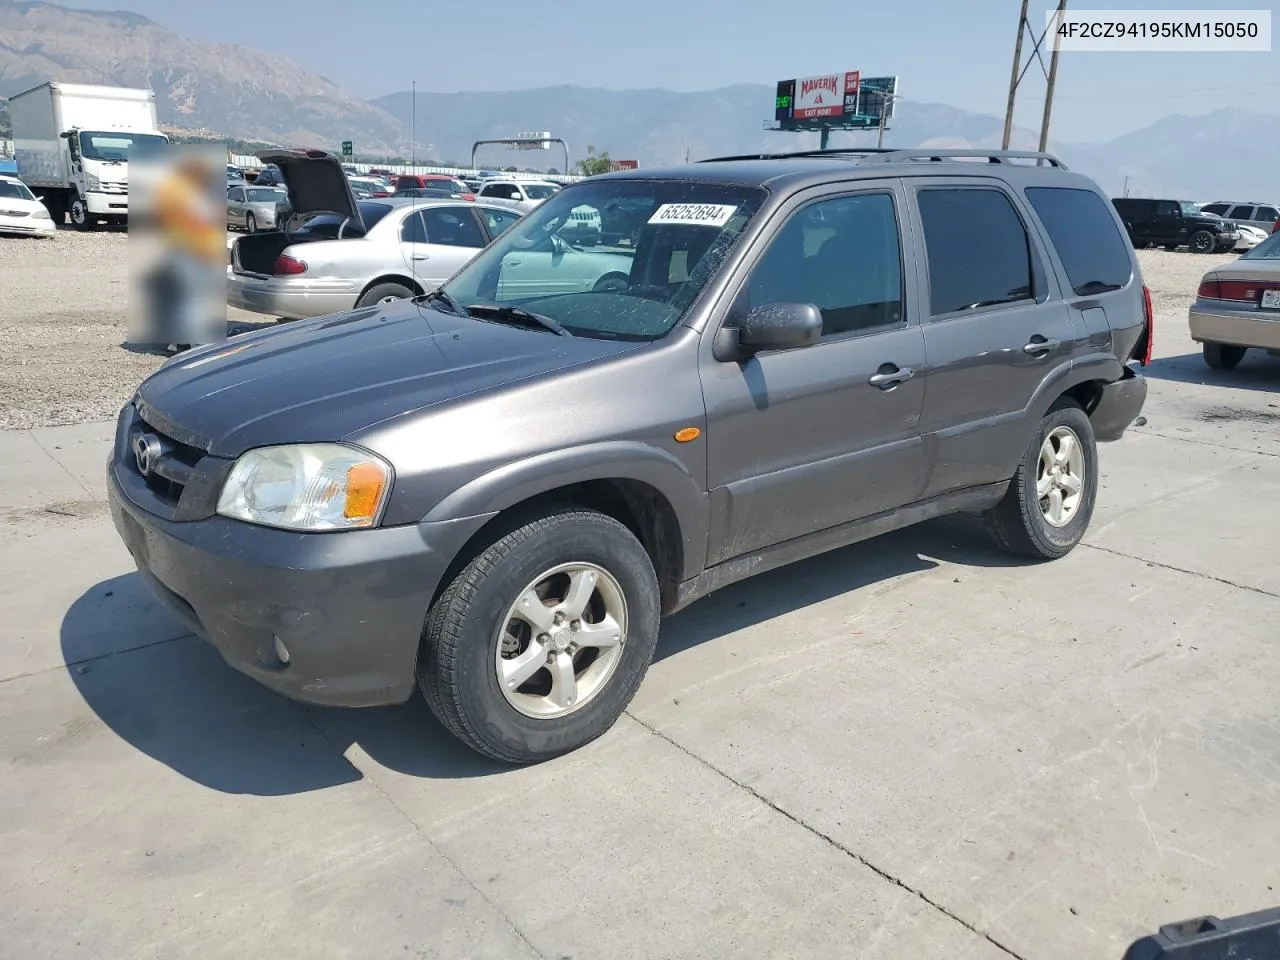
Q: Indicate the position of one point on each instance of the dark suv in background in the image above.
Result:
(493, 492)
(1175, 223)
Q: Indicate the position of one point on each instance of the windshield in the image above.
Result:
(96, 145)
(1189, 209)
(263, 195)
(1268, 249)
(656, 246)
(539, 191)
(13, 190)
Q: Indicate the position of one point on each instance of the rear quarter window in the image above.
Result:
(1092, 250)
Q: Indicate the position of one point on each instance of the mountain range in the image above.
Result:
(234, 92)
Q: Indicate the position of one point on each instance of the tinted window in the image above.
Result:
(1218, 208)
(1240, 213)
(499, 220)
(538, 191)
(413, 230)
(843, 256)
(453, 227)
(1267, 213)
(1092, 250)
(977, 249)
(1167, 208)
(502, 190)
(237, 194)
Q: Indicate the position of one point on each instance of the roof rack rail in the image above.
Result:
(897, 155)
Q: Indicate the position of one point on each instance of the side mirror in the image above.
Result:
(771, 326)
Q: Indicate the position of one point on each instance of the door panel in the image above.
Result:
(802, 440)
(985, 362)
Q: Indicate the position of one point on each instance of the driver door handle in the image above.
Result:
(421, 256)
(889, 376)
(1041, 345)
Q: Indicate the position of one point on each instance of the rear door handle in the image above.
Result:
(421, 256)
(889, 376)
(1041, 345)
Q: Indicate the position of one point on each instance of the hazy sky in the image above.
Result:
(957, 53)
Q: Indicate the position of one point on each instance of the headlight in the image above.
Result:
(42, 214)
(310, 486)
(91, 182)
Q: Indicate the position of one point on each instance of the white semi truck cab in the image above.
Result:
(72, 144)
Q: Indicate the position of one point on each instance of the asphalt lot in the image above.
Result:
(912, 748)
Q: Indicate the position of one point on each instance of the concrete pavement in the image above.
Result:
(909, 748)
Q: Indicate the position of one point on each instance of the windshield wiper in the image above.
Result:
(439, 296)
(501, 313)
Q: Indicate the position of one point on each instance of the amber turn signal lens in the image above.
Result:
(687, 434)
(364, 491)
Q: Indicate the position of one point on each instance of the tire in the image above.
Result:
(1202, 241)
(1019, 522)
(1223, 356)
(1171, 247)
(466, 640)
(250, 223)
(80, 217)
(384, 293)
(612, 283)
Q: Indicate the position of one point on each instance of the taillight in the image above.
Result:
(289, 265)
(1150, 335)
(469, 197)
(1240, 291)
(1275, 227)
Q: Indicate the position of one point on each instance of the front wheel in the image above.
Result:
(1046, 510)
(539, 643)
(81, 219)
(1223, 356)
(384, 293)
(250, 223)
(1202, 241)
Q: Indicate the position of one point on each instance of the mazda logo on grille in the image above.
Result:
(147, 450)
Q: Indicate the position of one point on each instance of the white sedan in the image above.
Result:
(21, 212)
(1250, 237)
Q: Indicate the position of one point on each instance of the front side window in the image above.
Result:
(1217, 209)
(1240, 213)
(538, 191)
(612, 290)
(236, 194)
(499, 220)
(844, 256)
(977, 249)
(1091, 247)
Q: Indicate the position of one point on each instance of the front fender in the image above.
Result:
(521, 480)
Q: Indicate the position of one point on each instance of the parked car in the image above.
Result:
(235, 175)
(269, 176)
(522, 195)
(434, 185)
(1250, 213)
(369, 186)
(1174, 223)
(1250, 237)
(21, 211)
(251, 207)
(492, 495)
(1237, 307)
(353, 253)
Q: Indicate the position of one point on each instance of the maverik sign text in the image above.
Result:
(825, 96)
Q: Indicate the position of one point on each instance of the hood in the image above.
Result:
(328, 378)
(315, 182)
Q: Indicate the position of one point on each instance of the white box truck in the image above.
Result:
(72, 142)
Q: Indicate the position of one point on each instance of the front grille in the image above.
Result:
(15, 213)
(169, 472)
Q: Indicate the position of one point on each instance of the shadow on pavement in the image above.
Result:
(1257, 371)
(171, 695)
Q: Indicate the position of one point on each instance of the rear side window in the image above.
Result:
(1268, 213)
(1216, 208)
(977, 249)
(1093, 252)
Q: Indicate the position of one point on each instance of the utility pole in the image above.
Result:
(1053, 77)
(1126, 186)
(413, 126)
(880, 135)
(823, 137)
(1014, 78)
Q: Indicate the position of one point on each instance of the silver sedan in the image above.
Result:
(253, 208)
(400, 248)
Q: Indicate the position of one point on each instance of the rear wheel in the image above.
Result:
(538, 644)
(1202, 241)
(1046, 510)
(1223, 356)
(384, 293)
(612, 283)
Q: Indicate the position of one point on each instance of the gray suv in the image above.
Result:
(495, 491)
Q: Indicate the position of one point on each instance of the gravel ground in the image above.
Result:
(62, 324)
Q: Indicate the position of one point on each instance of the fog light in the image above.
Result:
(282, 651)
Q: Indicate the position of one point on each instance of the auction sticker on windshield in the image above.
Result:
(698, 214)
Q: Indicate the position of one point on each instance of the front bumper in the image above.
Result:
(348, 607)
(289, 297)
(1216, 322)
(115, 204)
(29, 226)
(1119, 405)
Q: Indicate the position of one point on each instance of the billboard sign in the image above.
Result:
(835, 97)
(536, 140)
(624, 165)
